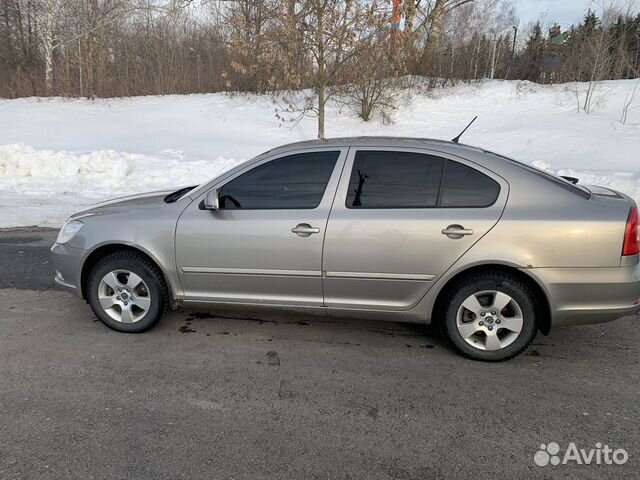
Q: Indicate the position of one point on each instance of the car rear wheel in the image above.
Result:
(490, 316)
(127, 292)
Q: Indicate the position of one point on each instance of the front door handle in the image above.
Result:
(304, 230)
(456, 231)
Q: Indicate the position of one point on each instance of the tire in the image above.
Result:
(484, 329)
(127, 292)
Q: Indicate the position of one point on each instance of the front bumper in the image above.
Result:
(579, 296)
(67, 262)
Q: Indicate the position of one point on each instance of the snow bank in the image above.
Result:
(59, 155)
(105, 170)
(42, 187)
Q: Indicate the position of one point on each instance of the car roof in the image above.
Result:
(379, 141)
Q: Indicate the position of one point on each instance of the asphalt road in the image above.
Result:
(215, 395)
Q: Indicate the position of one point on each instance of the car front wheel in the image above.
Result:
(490, 316)
(127, 292)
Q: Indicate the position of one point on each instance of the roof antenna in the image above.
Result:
(457, 139)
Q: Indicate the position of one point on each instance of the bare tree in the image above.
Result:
(103, 48)
(373, 87)
(433, 22)
(252, 25)
(629, 101)
(332, 31)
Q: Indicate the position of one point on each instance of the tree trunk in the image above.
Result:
(409, 8)
(321, 102)
(475, 68)
(322, 74)
(435, 32)
(48, 47)
(493, 59)
(80, 73)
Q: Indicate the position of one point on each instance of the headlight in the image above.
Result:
(68, 231)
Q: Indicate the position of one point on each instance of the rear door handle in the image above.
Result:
(456, 231)
(304, 230)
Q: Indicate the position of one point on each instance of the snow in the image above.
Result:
(42, 187)
(59, 155)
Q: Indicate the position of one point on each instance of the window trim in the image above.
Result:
(336, 172)
(438, 204)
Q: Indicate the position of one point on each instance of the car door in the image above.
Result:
(400, 219)
(264, 243)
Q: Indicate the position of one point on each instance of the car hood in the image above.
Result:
(130, 202)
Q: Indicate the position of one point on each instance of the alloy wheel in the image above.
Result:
(124, 296)
(489, 320)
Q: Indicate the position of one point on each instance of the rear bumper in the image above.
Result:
(589, 295)
(67, 262)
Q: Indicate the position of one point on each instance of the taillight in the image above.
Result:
(630, 246)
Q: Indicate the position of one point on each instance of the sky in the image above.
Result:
(565, 12)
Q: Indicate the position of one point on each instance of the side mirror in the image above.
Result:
(211, 201)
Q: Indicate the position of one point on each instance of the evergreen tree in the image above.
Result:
(533, 54)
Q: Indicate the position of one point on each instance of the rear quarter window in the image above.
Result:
(466, 187)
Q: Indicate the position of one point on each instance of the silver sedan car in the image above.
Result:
(413, 230)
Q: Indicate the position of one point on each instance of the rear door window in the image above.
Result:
(387, 179)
